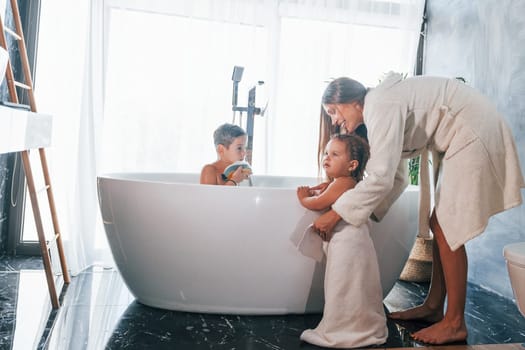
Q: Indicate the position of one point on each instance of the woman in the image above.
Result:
(476, 168)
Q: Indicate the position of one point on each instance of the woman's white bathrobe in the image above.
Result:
(479, 173)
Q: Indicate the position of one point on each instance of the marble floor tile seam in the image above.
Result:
(15, 270)
(17, 263)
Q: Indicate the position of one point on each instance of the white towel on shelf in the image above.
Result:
(353, 314)
(4, 57)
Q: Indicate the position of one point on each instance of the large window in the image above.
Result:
(144, 83)
(168, 86)
(311, 53)
(168, 83)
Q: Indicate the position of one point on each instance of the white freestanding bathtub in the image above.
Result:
(184, 246)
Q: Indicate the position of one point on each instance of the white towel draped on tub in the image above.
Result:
(353, 313)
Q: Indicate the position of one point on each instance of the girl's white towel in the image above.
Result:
(353, 313)
(311, 244)
(305, 239)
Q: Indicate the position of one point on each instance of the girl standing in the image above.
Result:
(353, 313)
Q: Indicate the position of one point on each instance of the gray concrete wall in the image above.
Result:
(483, 42)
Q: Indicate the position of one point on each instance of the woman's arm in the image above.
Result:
(386, 124)
(326, 224)
(400, 183)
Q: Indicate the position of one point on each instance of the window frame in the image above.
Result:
(30, 16)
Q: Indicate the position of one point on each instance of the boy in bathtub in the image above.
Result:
(353, 313)
(230, 144)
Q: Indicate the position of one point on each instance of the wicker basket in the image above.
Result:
(418, 268)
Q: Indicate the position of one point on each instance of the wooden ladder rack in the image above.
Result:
(27, 85)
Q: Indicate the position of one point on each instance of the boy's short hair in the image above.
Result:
(226, 133)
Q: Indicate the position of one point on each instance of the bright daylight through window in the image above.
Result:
(145, 83)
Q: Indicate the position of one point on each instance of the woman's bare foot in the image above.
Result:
(419, 313)
(442, 332)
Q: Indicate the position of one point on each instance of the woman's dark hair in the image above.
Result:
(340, 90)
(344, 90)
(357, 148)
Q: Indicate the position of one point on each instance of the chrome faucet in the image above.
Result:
(251, 110)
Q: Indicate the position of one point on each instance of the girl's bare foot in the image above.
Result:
(419, 313)
(442, 332)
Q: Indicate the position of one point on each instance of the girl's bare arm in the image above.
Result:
(325, 199)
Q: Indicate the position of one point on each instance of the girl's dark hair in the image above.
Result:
(340, 90)
(357, 148)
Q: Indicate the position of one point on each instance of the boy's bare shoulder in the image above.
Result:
(212, 167)
(209, 174)
(209, 167)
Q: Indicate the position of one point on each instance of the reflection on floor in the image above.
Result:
(98, 312)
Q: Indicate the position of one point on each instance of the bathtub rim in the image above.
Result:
(128, 176)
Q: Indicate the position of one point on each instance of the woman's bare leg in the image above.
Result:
(452, 327)
(432, 308)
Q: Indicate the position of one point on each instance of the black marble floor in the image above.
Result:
(98, 312)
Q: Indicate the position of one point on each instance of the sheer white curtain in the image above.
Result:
(322, 40)
(141, 85)
(60, 80)
(168, 83)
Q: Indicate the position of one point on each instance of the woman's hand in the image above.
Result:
(325, 224)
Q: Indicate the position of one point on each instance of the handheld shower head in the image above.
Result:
(237, 73)
(236, 77)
